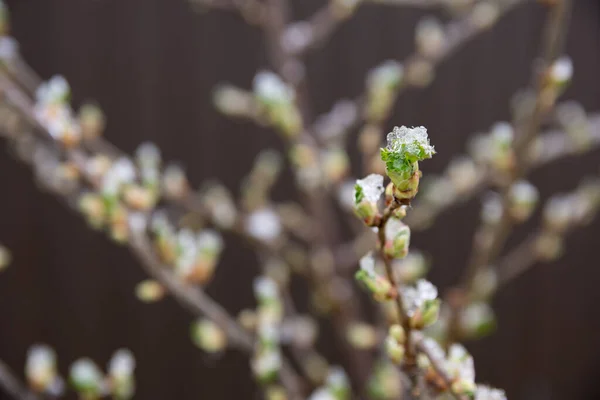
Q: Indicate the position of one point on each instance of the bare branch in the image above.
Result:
(10, 383)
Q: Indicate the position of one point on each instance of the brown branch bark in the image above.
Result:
(13, 387)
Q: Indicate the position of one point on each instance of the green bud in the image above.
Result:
(266, 364)
(86, 378)
(208, 336)
(379, 286)
(367, 193)
(405, 148)
(477, 320)
(397, 332)
(361, 335)
(523, 197)
(426, 315)
(397, 238)
(394, 350)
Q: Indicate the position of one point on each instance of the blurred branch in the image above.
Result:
(10, 383)
(191, 297)
(253, 11)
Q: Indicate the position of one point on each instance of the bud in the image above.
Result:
(92, 121)
(120, 374)
(40, 370)
(560, 73)
(405, 148)
(264, 225)
(382, 87)
(378, 285)
(367, 193)
(338, 383)
(361, 336)
(397, 333)
(422, 305)
(266, 364)
(523, 198)
(463, 387)
(463, 173)
(174, 183)
(232, 101)
(549, 246)
(477, 320)
(208, 336)
(426, 315)
(485, 284)
(139, 197)
(397, 238)
(278, 102)
(336, 164)
(394, 350)
(87, 379)
(411, 268)
(430, 38)
(501, 141)
(484, 392)
(558, 213)
(93, 207)
(5, 257)
(149, 291)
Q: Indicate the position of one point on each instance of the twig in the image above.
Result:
(253, 11)
(11, 384)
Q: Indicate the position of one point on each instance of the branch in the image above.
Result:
(253, 11)
(10, 383)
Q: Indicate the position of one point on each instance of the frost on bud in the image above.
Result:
(278, 102)
(208, 336)
(477, 320)
(338, 384)
(92, 121)
(5, 257)
(378, 285)
(367, 193)
(397, 236)
(266, 364)
(87, 379)
(422, 304)
(523, 198)
(41, 371)
(405, 148)
(361, 335)
(120, 374)
(560, 73)
(149, 291)
(264, 225)
(394, 350)
(382, 87)
(410, 268)
(484, 392)
(461, 369)
(430, 37)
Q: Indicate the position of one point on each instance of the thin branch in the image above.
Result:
(13, 387)
(253, 11)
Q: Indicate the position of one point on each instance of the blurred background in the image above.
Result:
(152, 64)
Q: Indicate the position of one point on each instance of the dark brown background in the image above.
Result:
(151, 64)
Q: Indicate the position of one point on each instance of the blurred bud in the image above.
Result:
(463, 174)
(149, 291)
(92, 206)
(421, 302)
(119, 224)
(343, 9)
(338, 383)
(5, 257)
(485, 14)
(558, 212)
(379, 286)
(297, 36)
(419, 72)
(221, 205)
(9, 47)
(573, 118)
(461, 369)
(174, 183)
(501, 142)
(301, 331)
(411, 268)
(247, 319)
(266, 364)
(232, 101)
(367, 193)
(561, 72)
(138, 197)
(492, 209)
(397, 333)
(385, 382)
(278, 101)
(430, 38)
(549, 246)
(336, 164)
(485, 284)
(41, 370)
(120, 374)
(484, 392)
(523, 198)
(477, 320)
(87, 379)
(275, 392)
(397, 236)
(382, 87)
(208, 336)
(463, 387)
(394, 350)
(264, 225)
(426, 315)
(369, 139)
(361, 335)
(92, 121)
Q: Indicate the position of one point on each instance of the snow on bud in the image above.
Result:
(338, 383)
(573, 118)
(149, 291)
(394, 350)
(477, 320)
(40, 370)
(422, 304)
(382, 87)
(523, 198)
(367, 193)
(410, 268)
(461, 368)
(208, 336)
(430, 38)
(174, 182)
(378, 285)
(397, 236)
(405, 148)
(92, 121)
(87, 379)
(278, 100)
(121, 172)
(120, 374)
(5, 257)
(561, 72)
(361, 335)
(484, 392)
(56, 90)
(264, 225)
(265, 289)
(266, 364)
